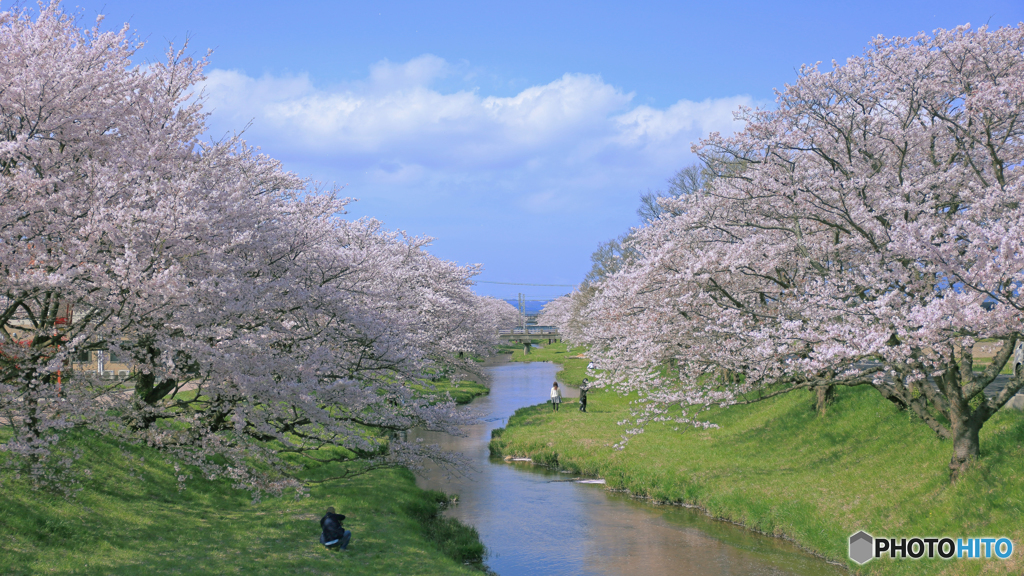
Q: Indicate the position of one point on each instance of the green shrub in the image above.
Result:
(457, 540)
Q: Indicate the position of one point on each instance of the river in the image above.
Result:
(533, 521)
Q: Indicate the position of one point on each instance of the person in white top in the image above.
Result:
(556, 396)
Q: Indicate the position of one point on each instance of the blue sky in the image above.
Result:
(518, 134)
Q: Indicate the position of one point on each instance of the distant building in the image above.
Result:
(104, 362)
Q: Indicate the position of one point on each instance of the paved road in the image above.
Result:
(991, 390)
(997, 385)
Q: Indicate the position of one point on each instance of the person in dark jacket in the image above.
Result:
(583, 396)
(334, 534)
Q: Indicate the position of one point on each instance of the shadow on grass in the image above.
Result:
(131, 519)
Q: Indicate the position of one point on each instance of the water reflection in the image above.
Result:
(532, 524)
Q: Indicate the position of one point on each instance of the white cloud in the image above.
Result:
(572, 137)
(411, 118)
(646, 126)
(420, 71)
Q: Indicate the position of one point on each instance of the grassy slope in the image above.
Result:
(573, 371)
(463, 391)
(778, 468)
(129, 518)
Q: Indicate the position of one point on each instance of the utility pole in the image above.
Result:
(522, 318)
(522, 311)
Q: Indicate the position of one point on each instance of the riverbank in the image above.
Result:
(778, 468)
(129, 517)
(461, 391)
(574, 365)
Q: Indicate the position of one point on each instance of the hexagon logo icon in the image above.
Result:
(861, 545)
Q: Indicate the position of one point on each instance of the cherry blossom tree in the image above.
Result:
(688, 180)
(556, 312)
(88, 146)
(868, 231)
(570, 314)
(259, 324)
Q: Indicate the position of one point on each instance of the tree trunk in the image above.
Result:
(33, 417)
(824, 396)
(147, 393)
(966, 448)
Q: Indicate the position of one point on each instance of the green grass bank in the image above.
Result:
(779, 468)
(462, 391)
(574, 368)
(130, 518)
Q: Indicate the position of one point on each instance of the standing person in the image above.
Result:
(556, 397)
(583, 396)
(334, 534)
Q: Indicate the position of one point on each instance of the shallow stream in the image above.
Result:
(535, 522)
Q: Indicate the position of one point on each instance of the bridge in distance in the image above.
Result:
(523, 335)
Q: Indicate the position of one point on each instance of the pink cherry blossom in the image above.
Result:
(257, 320)
(867, 231)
